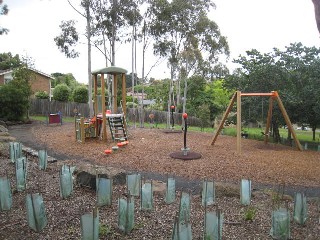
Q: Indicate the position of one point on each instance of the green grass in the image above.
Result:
(44, 118)
(255, 133)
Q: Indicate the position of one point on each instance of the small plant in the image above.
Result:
(104, 230)
(250, 213)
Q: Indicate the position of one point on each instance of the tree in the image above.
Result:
(14, 96)
(316, 4)
(42, 95)
(105, 20)
(293, 72)
(183, 26)
(80, 94)
(3, 11)
(67, 79)
(8, 61)
(61, 93)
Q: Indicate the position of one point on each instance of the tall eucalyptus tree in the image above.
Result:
(183, 26)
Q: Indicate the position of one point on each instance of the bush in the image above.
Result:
(61, 93)
(80, 94)
(14, 103)
(42, 95)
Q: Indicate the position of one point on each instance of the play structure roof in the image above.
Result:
(109, 70)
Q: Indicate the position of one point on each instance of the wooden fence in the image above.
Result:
(44, 107)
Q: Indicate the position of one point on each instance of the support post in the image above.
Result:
(239, 122)
(124, 95)
(103, 109)
(114, 93)
(95, 98)
(288, 122)
(225, 115)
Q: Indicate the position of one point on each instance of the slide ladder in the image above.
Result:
(117, 127)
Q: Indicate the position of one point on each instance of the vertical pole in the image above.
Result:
(103, 109)
(114, 94)
(82, 129)
(95, 98)
(268, 123)
(185, 134)
(124, 101)
(239, 122)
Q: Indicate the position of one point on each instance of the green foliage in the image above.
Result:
(67, 79)
(42, 95)
(8, 61)
(104, 230)
(61, 93)
(249, 213)
(293, 72)
(80, 94)
(14, 96)
(204, 115)
(67, 39)
(3, 11)
(14, 103)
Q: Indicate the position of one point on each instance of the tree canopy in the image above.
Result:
(293, 72)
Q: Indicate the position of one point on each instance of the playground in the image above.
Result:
(268, 166)
(148, 151)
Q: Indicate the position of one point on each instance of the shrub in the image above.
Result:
(14, 103)
(61, 93)
(80, 94)
(42, 95)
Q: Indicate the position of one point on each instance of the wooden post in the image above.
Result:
(103, 109)
(95, 98)
(114, 93)
(229, 108)
(288, 122)
(266, 132)
(82, 130)
(239, 122)
(124, 95)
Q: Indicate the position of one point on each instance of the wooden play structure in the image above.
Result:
(97, 125)
(273, 96)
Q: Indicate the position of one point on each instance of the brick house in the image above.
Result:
(39, 82)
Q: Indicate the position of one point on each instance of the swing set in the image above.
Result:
(273, 95)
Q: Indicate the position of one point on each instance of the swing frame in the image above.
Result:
(273, 95)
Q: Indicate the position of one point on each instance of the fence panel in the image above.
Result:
(44, 107)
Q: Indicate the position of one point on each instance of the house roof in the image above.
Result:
(3, 72)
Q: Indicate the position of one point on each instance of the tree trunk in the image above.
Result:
(289, 139)
(314, 132)
(89, 61)
(276, 134)
(133, 76)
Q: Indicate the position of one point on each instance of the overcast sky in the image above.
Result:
(247, 24)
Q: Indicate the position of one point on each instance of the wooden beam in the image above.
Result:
(95, 98)
(266, 132)
(239, 122)
(288, 122)
(114, 93)
(225, 115)
(103, 109)
(271, 94)
(124, 94)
